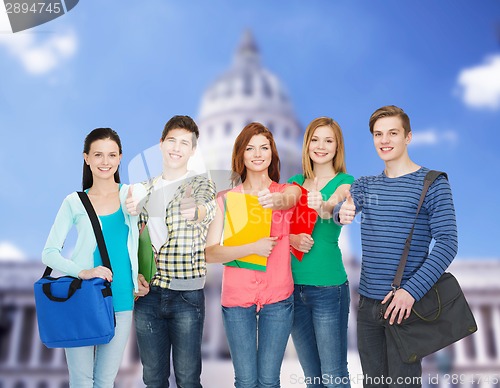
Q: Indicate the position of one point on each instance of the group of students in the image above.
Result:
(309, 299)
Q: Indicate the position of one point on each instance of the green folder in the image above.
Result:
(147, 264)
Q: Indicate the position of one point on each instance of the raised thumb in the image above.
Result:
(315, 184)
(130, 191)
(187, 194)
(348, 197)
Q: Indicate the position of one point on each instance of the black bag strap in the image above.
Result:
(75, 285)
(430, 177)
(97, 231)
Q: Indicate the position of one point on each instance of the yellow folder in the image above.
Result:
(246, 221)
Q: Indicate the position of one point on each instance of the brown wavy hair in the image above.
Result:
(238, 169)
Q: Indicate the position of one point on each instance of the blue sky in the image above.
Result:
(132, 65)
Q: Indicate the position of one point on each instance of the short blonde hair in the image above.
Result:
(339, 158)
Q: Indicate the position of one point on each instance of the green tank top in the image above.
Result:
(322, 265)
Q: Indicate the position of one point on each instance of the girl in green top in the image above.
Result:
(321, 290)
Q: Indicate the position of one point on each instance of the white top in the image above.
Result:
(161, 195)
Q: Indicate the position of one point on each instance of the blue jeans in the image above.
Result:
(97, 366)
(257, 342)
(319, 334)
(168, 320)
(380, 360)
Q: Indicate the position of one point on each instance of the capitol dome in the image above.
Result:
(248, 92)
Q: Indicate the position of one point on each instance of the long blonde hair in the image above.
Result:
(339, 158)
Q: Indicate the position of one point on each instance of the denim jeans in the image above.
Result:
(319, 334)
(97, 366)
(257, 342)
(380, 360)
(168, 320)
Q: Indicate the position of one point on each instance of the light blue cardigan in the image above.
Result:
(72, 213)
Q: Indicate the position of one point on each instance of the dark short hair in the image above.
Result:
(181, 122)
(390, 111)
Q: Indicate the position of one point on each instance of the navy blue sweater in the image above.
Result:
(388, 207)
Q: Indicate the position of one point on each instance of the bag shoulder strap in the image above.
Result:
(429, 179)
(97, 229)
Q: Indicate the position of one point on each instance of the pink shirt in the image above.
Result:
(245, 287)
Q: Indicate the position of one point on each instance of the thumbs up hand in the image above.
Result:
(264, 196)
(314, 197)
(189, 209)
(131, 203)
(347, 211)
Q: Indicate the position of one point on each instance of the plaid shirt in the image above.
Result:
(182, 256)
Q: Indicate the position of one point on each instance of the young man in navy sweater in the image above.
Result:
(389, 202)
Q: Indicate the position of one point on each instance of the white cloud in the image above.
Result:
(433, 137)
(9, 252)
(40, 56)
(480, 85)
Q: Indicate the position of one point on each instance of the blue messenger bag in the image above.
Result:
(73, 312)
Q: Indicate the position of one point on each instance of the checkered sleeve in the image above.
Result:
(183, 256)
(204, 194)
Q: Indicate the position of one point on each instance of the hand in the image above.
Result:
(314, 197)
(264, 196)
(264, 246)
(188, 205)
(131, 203)
(302, 242)
(400, 306)
(143, 286)
(97, 272)
(347, 211)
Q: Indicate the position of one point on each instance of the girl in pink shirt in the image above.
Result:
(257, 306)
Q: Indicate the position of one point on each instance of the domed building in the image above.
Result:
(248, 92)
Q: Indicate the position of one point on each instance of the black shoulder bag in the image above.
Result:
(441, 317)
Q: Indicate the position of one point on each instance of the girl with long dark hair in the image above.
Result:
(97, 366)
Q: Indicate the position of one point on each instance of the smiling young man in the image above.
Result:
(389, 202)
(178, 209)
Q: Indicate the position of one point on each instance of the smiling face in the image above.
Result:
(176, 149)
(390, 140)
(323, 145)
(103, 158)
(258, 155)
